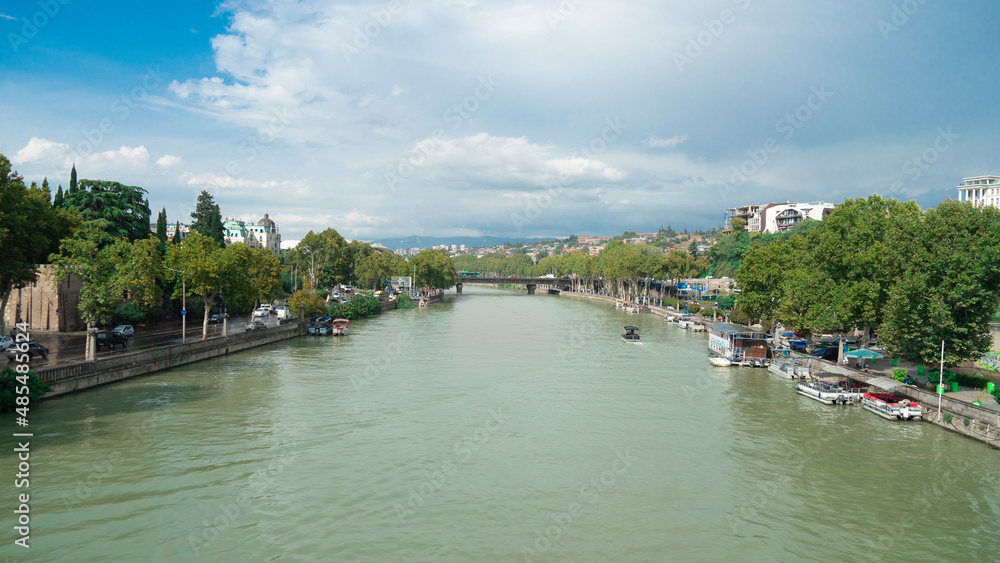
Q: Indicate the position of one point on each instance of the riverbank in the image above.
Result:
(84, 375)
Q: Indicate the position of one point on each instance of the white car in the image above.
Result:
(6, 342)
(125, 330)
(261, 312)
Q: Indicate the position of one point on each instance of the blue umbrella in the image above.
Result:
(863, 354)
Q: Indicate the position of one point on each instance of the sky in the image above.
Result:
(515, 118)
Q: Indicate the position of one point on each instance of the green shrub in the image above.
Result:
(966, 421)
(358, 307)
(403, 301)
(899, 374)
(947, 417)
(9, 385)
(694, 308)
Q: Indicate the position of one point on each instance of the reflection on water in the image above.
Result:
(497, 426)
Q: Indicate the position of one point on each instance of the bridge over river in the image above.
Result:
(530, 283)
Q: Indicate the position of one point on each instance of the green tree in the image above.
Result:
(109, 270)
(196, 267)
(177, 234)
(208, 219)
(57, 201)
(30, 230)
(122, 211)
(434, 269)
(374, 269)
(306, 302)
(161, 225)
(251, 275)
(73, 186)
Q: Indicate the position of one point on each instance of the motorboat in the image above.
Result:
(889, 407)
(341, 327)
(719, 361)
(631, 335)
(830, 392)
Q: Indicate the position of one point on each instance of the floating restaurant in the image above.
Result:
(739, 345)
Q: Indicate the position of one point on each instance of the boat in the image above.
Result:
(631, 335)
(341, 327)
(696, 327)
(788, 368)
(830, 392)
(889, 407)
(719, 361)
(320, 326)
(737, 344)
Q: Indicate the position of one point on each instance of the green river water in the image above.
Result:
(494, 427)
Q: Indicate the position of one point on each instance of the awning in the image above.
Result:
(884, 383)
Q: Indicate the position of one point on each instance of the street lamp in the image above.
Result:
(183, 304)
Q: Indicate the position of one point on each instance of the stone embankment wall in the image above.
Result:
(67, 379)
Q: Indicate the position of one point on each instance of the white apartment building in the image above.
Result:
(980, 191)
(778, 217)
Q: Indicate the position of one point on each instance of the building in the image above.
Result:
(590, 240)
(980, 191)
(778, 217)
(263, 234)
(46, 305)
(171, 229)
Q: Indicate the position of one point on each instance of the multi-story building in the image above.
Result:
(46, 304)
(171, 229)
(980, 191)
(778, 217)
(263, 234)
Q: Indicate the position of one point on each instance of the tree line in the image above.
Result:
(910, 277)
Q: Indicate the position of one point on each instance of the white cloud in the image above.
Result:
(52, 153)
(39, 149)
(168, 160)
(658, 143)
(6, 17)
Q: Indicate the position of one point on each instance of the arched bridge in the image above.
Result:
(530, 283)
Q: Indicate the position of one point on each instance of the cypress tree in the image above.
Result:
(46, 189)
(58, 200)
(208, 219)
(161, 225)
(72, 181)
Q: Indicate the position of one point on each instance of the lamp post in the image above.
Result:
(183, 304)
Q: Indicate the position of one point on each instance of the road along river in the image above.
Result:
(494, 427)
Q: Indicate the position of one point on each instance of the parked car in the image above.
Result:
(33, 349)
(6, 342)
(261, 312)
(216, 318)
(253, 325)
(125, 330)
(281, 311)
(111, 339)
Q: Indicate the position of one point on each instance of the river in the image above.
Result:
(494, 427)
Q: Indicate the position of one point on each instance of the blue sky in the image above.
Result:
(517, 118)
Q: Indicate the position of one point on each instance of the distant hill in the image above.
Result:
(469, 242)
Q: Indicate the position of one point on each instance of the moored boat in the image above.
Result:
(788, 368)
(341, 327)
(740, 346)
(830, 392)
(631, 335)
(696, 327)
(889, 407)
(719, 361)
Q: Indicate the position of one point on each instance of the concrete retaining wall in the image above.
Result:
(84, 375)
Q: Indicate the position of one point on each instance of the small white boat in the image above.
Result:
(830, 392)
(720, 362)
(696, 327)
(788, 369)
(889, 407)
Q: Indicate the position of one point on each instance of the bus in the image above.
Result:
(465, 274)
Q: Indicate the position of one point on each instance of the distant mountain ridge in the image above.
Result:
(469, 242)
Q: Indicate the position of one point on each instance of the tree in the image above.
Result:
(306, 302)
(57, 201)
(738, 224)
(73, 187)
(208, 219)
(374, 269)
(947, 286)
(161, 225)
(120, 210)
(196, 267)
(324, 257)
(177, 234)
(30, 230)
(109, 269)
(434, 269)
(693, 248)
(251, 275)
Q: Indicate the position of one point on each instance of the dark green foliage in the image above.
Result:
(726, 301)
(403, 301)
(358, 307)
(120, 210)
(161, 225)
(73, 186)
(177, 234)
(947, 417)
(208, 219)
(57, 201)
(9, 387)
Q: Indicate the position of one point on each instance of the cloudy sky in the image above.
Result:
(506, 118)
